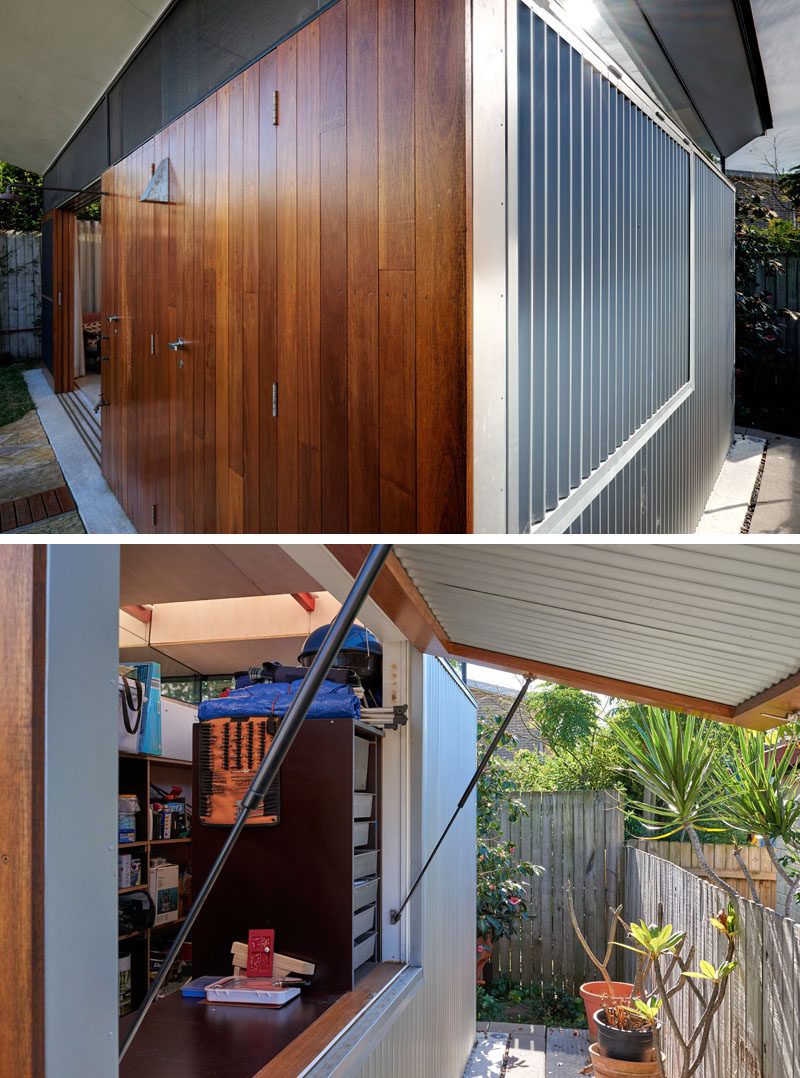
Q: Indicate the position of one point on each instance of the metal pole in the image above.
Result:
(394, 915)
(287, 731)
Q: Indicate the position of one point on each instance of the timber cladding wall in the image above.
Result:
(327, 254)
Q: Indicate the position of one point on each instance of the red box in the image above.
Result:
(260, 951)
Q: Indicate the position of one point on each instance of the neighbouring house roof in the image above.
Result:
(709, 629)
(56, 59)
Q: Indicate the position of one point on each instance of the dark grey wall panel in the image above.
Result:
(666, 486)
(197, 47)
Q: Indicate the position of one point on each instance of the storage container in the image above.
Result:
(365, 893)
(360, 762)
(360, 834)
(365, 864)
(363, 950)
(362, 806)
(177, 719)
(363, 921)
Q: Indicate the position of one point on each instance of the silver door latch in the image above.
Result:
(113, 318)
(175, 345)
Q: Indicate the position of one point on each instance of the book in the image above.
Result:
(282, 964)
(262, 990)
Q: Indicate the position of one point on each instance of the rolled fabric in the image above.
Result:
(271, 698)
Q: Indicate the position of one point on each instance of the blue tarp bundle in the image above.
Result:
(268, 698)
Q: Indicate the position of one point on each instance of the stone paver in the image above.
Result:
(777, 509)
(28, 464)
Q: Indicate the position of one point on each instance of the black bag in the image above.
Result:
(136, 912)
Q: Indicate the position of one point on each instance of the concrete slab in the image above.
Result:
(488, 1056)
(526, 1055)
(99, 509)
(777, 509)
(730, 499)
(567, 1052)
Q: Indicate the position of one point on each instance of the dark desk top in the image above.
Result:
(191, 1037)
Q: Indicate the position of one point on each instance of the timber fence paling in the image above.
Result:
(579, 838)
(755, 1033)
(721, 858)
(20, 294)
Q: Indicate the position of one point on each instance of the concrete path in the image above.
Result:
(730, 499)
(99, 509)
(777, 510)
(505, 1050)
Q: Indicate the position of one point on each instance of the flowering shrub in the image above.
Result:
(502, 886)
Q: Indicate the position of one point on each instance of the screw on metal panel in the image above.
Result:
(274, 108)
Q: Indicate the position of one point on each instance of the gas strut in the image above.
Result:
(394, 915)
(287, 731)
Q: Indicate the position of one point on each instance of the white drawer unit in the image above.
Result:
(364, 949)
(365, 893)
(362, 805)
(361, 832)
(363, 921)
(365, 864)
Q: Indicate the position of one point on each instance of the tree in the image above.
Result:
(24, 215)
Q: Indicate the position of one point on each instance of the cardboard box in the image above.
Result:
(164, 892)
(177, 719)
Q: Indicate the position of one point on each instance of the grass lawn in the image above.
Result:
(15, 400)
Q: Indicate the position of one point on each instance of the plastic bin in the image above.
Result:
(363, 921)
(361, 834)
(362, 806)
(360, 762)
(363, 950)
(365, 864)
(365, 893)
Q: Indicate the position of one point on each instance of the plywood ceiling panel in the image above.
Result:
(177, 572)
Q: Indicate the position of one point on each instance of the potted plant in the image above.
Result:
(596, 994)
(627, 1034)
(501, 876)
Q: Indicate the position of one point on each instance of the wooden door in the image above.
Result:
(57, 298)
(312, 257)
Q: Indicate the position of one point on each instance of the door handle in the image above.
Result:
(176, 345)
(114, 318)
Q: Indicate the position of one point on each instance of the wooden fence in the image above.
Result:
(578, 838)
(20, 295)
(756, 1033)
(720, 857)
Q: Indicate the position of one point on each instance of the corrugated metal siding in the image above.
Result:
(678, 618)
(434, 1035)
(666, 486)
(604, 285)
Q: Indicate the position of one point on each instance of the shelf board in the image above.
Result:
(167, 924)
(167, 841)
(128, 890)
(156, 759)
(130, 935)
(130, 845)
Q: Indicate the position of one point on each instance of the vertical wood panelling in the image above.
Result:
(288, 514)
(333, 269)
(308, 279)
(267, 291)
(441, 286)
(363, 450)
(324, 253)
(22, 653)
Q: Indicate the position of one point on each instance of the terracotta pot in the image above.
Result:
(484, 953)
(592, 995)
(621, 1068)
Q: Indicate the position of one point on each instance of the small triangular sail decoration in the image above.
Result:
(158, 188)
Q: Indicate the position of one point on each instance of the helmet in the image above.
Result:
(360, 651)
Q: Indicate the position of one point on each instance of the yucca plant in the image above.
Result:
(677, 758)
(761, 785)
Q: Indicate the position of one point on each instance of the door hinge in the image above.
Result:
(152, 344)
(154, 515)
(274, 108)
(274, 398)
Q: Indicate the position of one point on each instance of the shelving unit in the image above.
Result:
(136, 772)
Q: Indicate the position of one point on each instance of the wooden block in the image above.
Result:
(65, 499)
(23, 512)
(38, 511)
